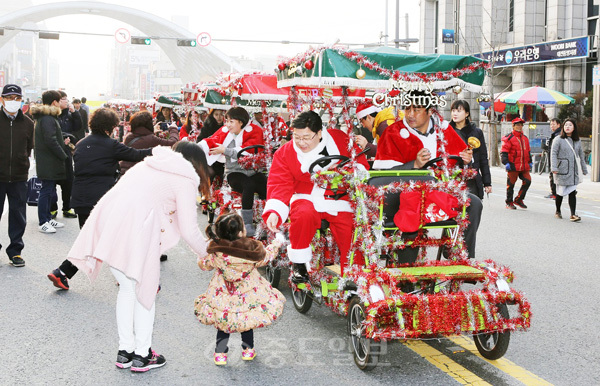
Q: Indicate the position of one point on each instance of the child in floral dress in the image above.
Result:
(238, 299)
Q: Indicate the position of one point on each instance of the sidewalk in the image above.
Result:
(587, 189)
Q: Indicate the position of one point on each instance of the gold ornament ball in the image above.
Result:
(457, 89)
(223, 101)
(360, 73)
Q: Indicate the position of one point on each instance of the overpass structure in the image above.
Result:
(192, 63)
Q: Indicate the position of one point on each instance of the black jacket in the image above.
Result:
(555, 133)
(70, 122)
(209, 127)
(50, 149)
(96, 161)
(16, 143)
(480, 159)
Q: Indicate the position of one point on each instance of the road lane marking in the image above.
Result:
(504, 365)
(444, 363)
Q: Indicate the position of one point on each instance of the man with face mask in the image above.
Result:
(16, 143)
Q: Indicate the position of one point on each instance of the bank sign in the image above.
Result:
(539, 53)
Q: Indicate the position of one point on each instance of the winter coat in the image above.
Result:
(480, 159)
(146, 140)
(96, 162)
(50, 149)
(85, 120)
(140, 218)
(238, 298)
(209, 127)
(516, 151)
(16, 143)
(70, 122)
(564, 162)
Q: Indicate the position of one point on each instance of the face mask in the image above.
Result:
(12, 106)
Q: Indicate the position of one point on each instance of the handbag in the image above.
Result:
(34, 185)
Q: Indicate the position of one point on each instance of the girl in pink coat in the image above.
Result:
(238, 299)
(140, 218)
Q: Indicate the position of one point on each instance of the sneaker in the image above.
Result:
(551, 196)
(124, 359)
(510, 205)
(53, 214)
(17, 261)
(558, 215)
(47, 228)
(575, 218)
(142, 364)
(58, 279)
(163, 257)
(248, 354)
(56, 224)
(220, 359)
(69, 213)
(520, 204)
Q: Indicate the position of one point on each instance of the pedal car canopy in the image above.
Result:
(379, 68)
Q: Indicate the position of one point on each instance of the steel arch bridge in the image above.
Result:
(192, 64)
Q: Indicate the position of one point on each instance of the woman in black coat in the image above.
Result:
(461, 114)
(96, 161)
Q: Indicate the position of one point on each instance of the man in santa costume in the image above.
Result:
(410, 143)
(291, 192)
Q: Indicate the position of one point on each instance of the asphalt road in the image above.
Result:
(51, 337)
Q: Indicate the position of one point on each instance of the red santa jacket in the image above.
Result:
(289, 179)
(516, 151)
(250, 135)
(400, 144)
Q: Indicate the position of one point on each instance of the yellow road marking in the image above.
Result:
(504, 365)
(444, 363)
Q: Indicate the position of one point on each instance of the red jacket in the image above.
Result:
(250, 135)
(516, 151)
(289, 179)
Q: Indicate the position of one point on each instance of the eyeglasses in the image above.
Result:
(12, 98)
(305, 139)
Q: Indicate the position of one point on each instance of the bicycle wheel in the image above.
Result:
(543, 162)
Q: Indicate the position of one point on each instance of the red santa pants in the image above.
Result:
(305, 221)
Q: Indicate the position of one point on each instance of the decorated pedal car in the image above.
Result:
(400, 292)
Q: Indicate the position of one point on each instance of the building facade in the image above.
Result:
(523, 27)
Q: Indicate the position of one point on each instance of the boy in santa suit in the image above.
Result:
(410, 143)
(225, 143)
(291, 192)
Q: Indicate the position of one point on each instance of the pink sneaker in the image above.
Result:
(220, 359)
(248, 354)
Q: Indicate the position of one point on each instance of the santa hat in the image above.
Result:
(364, 109)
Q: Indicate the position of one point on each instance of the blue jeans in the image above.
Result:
(44, 202)
(17, 209)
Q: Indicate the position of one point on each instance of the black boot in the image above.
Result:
(248, 216)
(299, 273)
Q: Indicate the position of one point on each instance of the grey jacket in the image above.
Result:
(231, 164)
(563, 161)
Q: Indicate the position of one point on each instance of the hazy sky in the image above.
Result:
(84, 59)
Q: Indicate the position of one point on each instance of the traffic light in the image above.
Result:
(141, 40)
(186, 42)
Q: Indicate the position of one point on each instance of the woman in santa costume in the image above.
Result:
(410, 143)
(291, 192)
(238, 133)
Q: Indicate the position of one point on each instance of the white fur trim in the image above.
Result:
(210, 159)
(404, 133)
(385, 164)
(322, 204)
(278, 207)
(367, 111)
(299, 256)
(306, 159)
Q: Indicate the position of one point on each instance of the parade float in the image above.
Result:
(416, 282)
